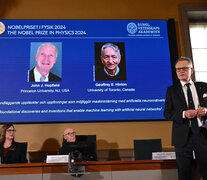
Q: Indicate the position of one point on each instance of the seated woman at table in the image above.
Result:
(10, 150)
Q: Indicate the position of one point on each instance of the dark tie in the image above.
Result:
(194, 122)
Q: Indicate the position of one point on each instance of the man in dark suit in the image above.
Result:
(188, 115)
(46, 58)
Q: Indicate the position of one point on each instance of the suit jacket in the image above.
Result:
(175, 104)
(51, 77)
(16, 154)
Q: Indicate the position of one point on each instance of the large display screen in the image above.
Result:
(83, 70)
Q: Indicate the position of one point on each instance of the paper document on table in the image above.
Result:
(57, 158)
(163, 155)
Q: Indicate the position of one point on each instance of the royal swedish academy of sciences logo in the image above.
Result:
(132, 28)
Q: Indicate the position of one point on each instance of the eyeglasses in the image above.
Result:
(70, 134)
(182, 68)
(11, 130)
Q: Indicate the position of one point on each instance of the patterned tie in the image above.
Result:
(194, 122)
(42, 78)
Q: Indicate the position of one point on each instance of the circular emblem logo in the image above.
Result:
(2, 28)
(132, 28)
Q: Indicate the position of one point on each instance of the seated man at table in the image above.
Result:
(69, 135)
(80, 147)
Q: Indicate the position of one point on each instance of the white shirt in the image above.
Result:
(195, 98)
(37, 76)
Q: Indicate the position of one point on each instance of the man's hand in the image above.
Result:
(201, 111)
(191, 113)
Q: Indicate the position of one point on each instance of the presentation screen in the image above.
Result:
(83, 70)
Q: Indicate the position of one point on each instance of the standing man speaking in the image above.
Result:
(186, 106)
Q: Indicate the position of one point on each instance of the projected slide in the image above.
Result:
(83, 70)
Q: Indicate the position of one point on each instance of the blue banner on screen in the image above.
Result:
(83, 70)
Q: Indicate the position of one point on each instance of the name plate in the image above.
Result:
(163, 155)
(57, 159)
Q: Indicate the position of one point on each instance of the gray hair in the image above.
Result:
(113, 46)
(47, 44)
(183, 58)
